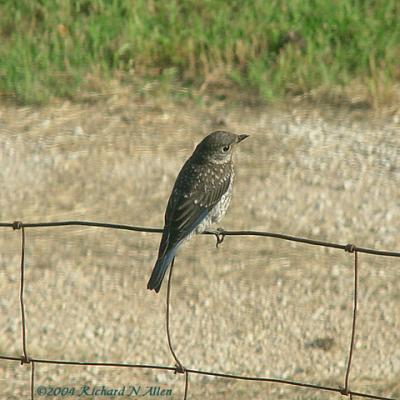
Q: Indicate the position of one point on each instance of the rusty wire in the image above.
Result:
(353, 325)
(18, 225)
(179, 367)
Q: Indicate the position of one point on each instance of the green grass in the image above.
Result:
(61, 48)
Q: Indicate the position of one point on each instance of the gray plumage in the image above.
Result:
(199, 198)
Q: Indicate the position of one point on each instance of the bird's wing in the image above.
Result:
(188, 207)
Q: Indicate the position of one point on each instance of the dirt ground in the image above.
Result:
(255, 306)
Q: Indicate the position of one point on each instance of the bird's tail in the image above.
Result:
(160, 269)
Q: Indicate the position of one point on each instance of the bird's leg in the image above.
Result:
(219, 234)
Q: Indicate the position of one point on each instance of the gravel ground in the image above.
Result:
(255, 306)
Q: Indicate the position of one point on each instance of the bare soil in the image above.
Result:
(255, 306)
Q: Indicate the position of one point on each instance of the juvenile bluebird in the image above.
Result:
(199, 198)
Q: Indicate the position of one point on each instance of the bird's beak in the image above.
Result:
(241, 138)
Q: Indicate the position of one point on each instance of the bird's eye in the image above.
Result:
(226, 148)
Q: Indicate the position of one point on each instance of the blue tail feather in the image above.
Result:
(164, 261)
(160, 269)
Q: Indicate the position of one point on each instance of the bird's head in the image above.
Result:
(218, 146)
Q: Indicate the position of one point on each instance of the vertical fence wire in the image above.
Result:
(179, 366)
(21, 292)
(346, 389)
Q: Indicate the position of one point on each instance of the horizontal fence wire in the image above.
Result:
(222, 233)
(179, 367)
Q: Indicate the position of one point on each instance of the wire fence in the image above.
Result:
(179, 367)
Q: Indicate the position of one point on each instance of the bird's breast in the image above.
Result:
(218, 211)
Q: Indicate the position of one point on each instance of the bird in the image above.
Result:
(200, 197)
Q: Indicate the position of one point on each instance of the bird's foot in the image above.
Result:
(219, 235)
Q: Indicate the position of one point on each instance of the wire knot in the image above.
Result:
(179, 369)
(25, 359)
(344, 391)
(350, 248)
(17, 225)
